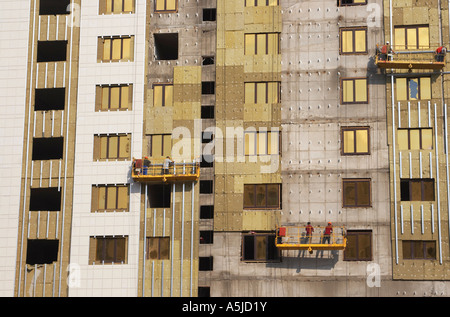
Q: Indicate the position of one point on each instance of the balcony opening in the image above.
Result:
(40, 251)
(52, 51)
(54, 7)
(209, 14)
(48, 148)
(208, 88)
(206, 187)
(166, 46)
(206, 237)
(205, 263)
(207, 212)
(207, 112)
(45, 199)
(159, 196)
(49, 99)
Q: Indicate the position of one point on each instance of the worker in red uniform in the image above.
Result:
(309, 231)
(327, 233)
(440, 53)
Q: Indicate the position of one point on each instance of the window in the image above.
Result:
(115, 49)
(262, 143)
(355, 140)
(207, 112)
(166, 5)
(417, 189)
(48, 148)
(116, 6)
(206, 237)
(159, 196)
(359, 246)
(411, 37)
(415, 139)
(166, 46)
(262, 196)
(112, 147)
(49, 99)
(356, 193)
(209, 14)
(206, 187)
(204, 291)
(108, 250)
(208, 60)
(110, 198)
(114, 97)
(54, 7)
(413, 88)
(205, 263)
(162, 95)
(207, 160)
(207, 212)
(353, 40)
(42, 251)
(351, 2)
(158, 248)
(160, 145)
(208, 87)
(261, 3)
(354, 90)
(262, 92)
(418, 249)
(45, 199)
(259, 247)
(262, 43)
(51, 51)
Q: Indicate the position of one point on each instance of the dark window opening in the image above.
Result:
(45, 199)
(208, 88)
(48, 148)
(207, 137)
(166, 46)
(159, 196)
(52, 51)
(207, 161)
(207, 112)
(204, 291)
(209, 14)
(206, 187)
(49, 99)
(205, 263)
(54, 7)
(259, 247)
(206, 237)
(207, 212)
(208, 60)
(40, 251)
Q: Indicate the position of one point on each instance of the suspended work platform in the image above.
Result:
(411, 60)
(176, 172)
(296, 238)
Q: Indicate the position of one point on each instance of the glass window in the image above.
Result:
(356, 193)
(355, 140)
(353, 40)
(359, 246)
(411, 37)
(354, 90)
(415, 139)
(262, 196)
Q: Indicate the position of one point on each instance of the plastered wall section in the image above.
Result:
(15, 19)
(420, 220)
(115, 279)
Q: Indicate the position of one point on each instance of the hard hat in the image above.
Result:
(329, 223)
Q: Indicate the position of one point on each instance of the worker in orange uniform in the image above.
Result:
(327, 233)
(309, 231)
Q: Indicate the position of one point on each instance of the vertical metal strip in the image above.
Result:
(437, 184)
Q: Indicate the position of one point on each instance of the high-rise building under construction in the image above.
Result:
(264, 148)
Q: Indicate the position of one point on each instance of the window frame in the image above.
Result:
(159, 256)
(101, 90)
(353, 30)
(266, 207)
(354, 79)
(409, 130)
(256, 138)
(165, 10)
(103, 7)
(98, 147)
(266, 91)
(354, 129)
(266, 42)
(422, 188)
(406, 28)
(355, 181)
(413, 249)
(408, 90)
(95, 245)
(156, 103)
(340, 4)
(357, 234)
(96, 198)
(255, 3)
(272, 254)
(103, 39)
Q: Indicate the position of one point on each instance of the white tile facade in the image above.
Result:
(116, 279)
(14, 30)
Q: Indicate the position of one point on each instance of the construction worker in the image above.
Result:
(167, 163)
(440, 53)
(327, 233)
(309, 230)
(146, 165)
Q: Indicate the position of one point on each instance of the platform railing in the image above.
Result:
(160, 171)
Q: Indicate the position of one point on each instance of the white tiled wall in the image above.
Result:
(117, 279)
(14, 26)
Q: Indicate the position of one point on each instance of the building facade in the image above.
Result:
(272, 113)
